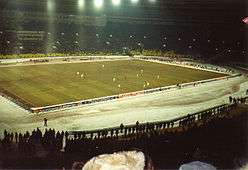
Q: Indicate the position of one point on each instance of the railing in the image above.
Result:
(149, 127)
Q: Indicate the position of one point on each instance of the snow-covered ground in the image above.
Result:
(145, 108)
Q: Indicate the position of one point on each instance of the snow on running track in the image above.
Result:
(164, 105)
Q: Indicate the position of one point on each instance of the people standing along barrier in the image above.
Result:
(237, 100)
(190, 119)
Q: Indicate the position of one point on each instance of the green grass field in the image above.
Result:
(43, 85)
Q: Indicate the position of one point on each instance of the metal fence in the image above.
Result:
(150, 127)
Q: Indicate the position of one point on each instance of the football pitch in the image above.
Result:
(49, 84)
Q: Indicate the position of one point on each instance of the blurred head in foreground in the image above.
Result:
(131, 160)
(197, 165)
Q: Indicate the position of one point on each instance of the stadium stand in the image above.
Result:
(29, 29)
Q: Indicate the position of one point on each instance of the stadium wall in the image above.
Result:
(26, 60)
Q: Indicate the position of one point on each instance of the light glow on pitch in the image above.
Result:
(98, 3)
(116, 2)
(152, 1)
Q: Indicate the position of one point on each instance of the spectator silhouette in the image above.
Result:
(45, 122)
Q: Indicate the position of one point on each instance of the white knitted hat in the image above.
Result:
(131, 160)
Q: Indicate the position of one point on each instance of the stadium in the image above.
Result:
(83, 79)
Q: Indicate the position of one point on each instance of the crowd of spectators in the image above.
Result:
(27, 142)
(238, 100)
(122, 38)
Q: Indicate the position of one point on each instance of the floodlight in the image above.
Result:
(98, 3)
(50, 5)
(81, 4)
(116, 2)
